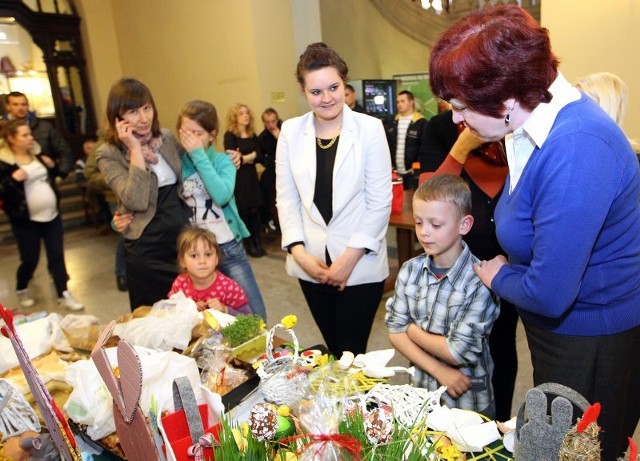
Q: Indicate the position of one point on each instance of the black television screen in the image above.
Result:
(379, 97)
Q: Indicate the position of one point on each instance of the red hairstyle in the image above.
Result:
(492, 55)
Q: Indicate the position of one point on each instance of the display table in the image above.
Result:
(404, 225)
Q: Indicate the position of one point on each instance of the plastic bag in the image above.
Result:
(36, 335)
(320, 416)
(90, 402)
(80, 331)
(167, 326)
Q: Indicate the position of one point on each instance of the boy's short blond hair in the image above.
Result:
(446, 188)
(188, 239)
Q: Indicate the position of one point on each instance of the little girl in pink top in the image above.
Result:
(200, 280)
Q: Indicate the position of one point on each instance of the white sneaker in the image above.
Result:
(68, 301)
(24, 298)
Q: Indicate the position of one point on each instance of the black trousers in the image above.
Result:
(344, 317)
(502, 344)
(151, 260)
(28, 235)
(602, 368)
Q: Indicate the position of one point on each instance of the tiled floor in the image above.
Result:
(90, 259)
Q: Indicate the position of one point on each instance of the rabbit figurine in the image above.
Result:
(135, 438)
(539, 435)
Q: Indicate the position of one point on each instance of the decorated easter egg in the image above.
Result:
(378, 425)
(263, 421)
(285, 427)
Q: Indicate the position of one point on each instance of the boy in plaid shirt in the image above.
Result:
(441, 314)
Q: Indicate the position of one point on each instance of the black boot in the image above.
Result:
(250, 248)
(256, 242)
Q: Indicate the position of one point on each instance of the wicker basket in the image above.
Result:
(283, 379)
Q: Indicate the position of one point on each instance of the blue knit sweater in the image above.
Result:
(571, 228)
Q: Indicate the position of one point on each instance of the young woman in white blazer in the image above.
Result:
(333, 180)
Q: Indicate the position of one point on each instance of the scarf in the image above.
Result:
(150, 146)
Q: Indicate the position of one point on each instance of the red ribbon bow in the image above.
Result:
(197, 450)
(348, 442)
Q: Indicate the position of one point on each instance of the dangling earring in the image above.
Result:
(507, 119)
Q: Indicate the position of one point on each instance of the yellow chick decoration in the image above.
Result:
(289, 321)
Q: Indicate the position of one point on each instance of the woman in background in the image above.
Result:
(333, 186)
(30, 200)
(141, 164)
(610, 92)
(241, 137)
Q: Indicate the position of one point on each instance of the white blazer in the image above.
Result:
(361, 194)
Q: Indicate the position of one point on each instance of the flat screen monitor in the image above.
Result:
(379, 97)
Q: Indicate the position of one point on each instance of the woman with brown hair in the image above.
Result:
(141, 164)
(333, 186)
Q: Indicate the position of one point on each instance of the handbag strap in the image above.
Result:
(185, 399)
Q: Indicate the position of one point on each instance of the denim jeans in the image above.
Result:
(236, 266)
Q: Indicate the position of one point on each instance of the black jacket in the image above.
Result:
(12, 193)
(52, 144)
(413, 141)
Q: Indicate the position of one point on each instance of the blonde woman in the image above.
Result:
(240, 138)
(610, 92)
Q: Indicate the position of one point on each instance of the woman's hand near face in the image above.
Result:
(125, 134)
(19, 175)
(316, 268)
(466, 142)
(487, 270)
(342, 267)
(190, 141)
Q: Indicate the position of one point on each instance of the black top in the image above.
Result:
(323, 195)
(248, 193)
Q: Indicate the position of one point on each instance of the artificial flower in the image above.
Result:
(322, 360)
(447, 451)
(241, 441)
(289, 321)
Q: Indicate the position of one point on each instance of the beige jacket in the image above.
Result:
(136, 189)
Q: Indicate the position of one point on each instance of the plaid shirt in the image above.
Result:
(457, 306)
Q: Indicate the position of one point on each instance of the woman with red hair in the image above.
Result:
(568, 217)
